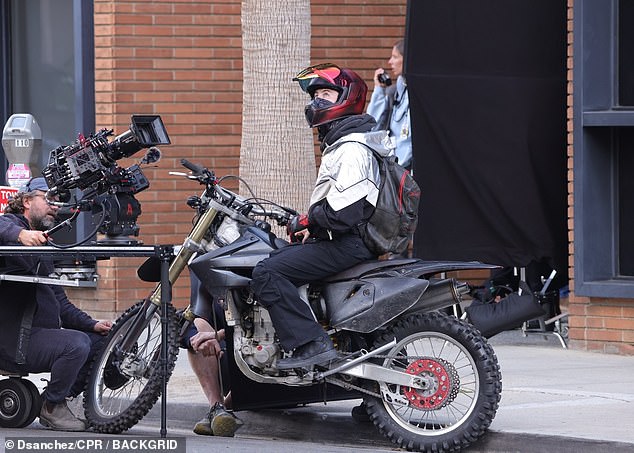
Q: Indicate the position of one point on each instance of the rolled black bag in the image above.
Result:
(509, 313)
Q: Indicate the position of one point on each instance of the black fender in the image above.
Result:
(371, 294)
(426, 269)
(408, 267)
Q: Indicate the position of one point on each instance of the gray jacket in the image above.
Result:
(347, 185)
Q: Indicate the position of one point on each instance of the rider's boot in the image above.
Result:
(315, 352)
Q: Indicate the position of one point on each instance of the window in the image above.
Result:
(625, 166)
(48, 45)
(604, 147)
(626, 53)
(47, 49)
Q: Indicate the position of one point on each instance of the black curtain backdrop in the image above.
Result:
(487, 89)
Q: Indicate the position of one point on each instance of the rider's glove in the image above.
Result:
(297, 223)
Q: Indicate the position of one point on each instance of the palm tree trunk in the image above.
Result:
(277, 154)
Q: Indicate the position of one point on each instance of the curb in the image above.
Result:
(332, 425)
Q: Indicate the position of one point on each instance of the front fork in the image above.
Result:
(152, 303)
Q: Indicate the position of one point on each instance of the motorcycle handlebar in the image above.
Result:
(194, 168)
(282, 216)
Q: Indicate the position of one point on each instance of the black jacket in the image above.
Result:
(28, 306)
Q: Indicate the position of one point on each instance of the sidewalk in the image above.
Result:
(547, 391)
(553, 399)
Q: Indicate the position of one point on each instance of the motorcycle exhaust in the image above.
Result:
(441, 294)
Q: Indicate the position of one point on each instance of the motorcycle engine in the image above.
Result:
(260, 349)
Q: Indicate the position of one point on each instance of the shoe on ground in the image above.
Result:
(316, 352)
(59, 417)
(218, 422)
(360, 413)
(76, 406)
(203, 427)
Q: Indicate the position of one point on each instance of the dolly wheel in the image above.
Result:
(36, 406)
(16, 403)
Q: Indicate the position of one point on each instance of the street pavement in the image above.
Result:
(562, 399)
(553, 399)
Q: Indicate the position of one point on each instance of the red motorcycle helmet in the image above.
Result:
(351, 88)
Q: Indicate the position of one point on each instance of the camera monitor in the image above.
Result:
(149, 130)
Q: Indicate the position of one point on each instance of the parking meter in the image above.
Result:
(22, 143)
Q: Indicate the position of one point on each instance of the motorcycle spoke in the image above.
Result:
(114, 401)
(434, 348)
(125, 382)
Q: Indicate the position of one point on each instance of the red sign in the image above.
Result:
(5, 194)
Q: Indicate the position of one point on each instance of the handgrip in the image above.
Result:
(194, 168)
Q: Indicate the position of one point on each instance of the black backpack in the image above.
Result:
(394, 220)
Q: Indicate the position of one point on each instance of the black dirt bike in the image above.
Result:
(430, 381)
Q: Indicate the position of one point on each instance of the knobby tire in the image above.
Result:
(446, 332)
(119, 407)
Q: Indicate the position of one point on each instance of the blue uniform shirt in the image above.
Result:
(400, 128)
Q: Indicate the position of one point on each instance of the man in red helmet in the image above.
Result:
(326, 240)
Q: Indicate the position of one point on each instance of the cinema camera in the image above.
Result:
(90, 165)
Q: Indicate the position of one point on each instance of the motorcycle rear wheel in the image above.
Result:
(123, 387)
(462, 385)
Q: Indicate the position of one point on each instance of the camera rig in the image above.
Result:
(107, 189)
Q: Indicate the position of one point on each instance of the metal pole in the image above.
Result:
(166, 296)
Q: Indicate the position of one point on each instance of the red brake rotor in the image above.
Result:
(438, 380)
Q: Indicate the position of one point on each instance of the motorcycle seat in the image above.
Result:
(358, 270)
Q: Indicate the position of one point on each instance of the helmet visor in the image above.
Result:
(326, 71)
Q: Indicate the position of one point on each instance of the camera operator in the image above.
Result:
(389, 105)
(41, 329)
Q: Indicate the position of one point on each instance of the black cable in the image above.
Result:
(88, 237)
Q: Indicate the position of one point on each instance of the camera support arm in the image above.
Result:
(63, 224)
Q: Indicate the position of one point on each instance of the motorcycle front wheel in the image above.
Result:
(124, 385)
(460, 385)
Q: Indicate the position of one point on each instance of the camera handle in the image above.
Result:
(61, 225)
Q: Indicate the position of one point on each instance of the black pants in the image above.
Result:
(67, 354)
(275, 281)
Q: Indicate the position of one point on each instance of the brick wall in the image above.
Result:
(356, 34)
(183, 60)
